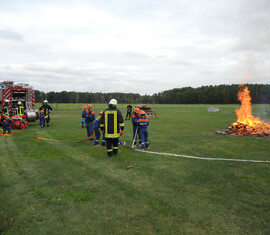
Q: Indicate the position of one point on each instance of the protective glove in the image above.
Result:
(121, 132)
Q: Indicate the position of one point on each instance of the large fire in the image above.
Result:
(246, 123)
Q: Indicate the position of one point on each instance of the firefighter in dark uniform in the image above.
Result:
(20, 108)
(6, 108)
(112, 123)
(47, 109)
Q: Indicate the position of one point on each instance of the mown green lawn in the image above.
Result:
(53, 187)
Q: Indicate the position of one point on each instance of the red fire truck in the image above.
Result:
(11, 94)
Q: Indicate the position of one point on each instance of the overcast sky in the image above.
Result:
(138, 46)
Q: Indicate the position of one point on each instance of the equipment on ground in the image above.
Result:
(18, 94)
(135, 136)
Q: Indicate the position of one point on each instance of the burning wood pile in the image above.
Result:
(241, 129)
(246, 124)
(149, 112)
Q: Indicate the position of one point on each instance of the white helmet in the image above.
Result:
(7, 101)
(19, 102)
(45, 101)
(113, 102)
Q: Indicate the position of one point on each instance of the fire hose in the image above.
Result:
(66, 141)
(164, 154)
(202, 158)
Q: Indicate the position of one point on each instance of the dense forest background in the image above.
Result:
(221, 94)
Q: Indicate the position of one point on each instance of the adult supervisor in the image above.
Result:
(47, 109)
(112, 123)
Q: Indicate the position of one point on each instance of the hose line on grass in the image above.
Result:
(202, 158)
(41, 138)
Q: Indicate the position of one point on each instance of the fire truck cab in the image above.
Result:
(15, 93)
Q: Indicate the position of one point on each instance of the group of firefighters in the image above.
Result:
(110, 123)
(18, 109)
(5, 116)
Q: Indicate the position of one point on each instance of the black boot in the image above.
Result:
(110, 154)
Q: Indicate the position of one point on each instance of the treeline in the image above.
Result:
(222, 94)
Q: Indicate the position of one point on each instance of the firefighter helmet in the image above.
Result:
(137, 110)
(7, 101)
(45, 101)
(85, 107)
(19, 102)
(89, 106)
(143, 113)
(6, 117)
(113, 102)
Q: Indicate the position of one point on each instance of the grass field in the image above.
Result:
(57, 187)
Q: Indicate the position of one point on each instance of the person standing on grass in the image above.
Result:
(89, 119)
(20, 108)
(129, 110)
(6, 125)
(97, 132)
(6, 108)
(47, 109)
(41, 118)
(112, 123)
(134, 119)
(83, 115)
(143, 132)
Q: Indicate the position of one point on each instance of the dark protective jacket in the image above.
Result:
(111, 122)
(6, 110)
(83, 113)
(5, 124)
(47, 109)
(129, 109)
(89, 117)
(143, 123)
(20, 109)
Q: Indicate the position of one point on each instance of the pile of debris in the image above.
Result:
(149, 112)
(241, 129)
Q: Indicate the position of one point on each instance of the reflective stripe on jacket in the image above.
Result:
(111, 122)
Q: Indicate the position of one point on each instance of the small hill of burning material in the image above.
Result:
(241, 129)
(149, 112)
(246, 124)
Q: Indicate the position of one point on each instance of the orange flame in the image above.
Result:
(244, 114)
(247, 124)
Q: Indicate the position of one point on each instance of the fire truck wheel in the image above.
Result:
(22, 125)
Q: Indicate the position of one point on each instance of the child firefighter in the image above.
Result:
(134, 119)
(97, 131)
(6, 124)
(89, 121)
(143, 132)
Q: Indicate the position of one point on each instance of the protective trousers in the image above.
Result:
(144, 139)
(47, 120)
(128, 115)
(112, 146)
(89, 128)
(42, 120)
(97, 137)
(5, 128)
